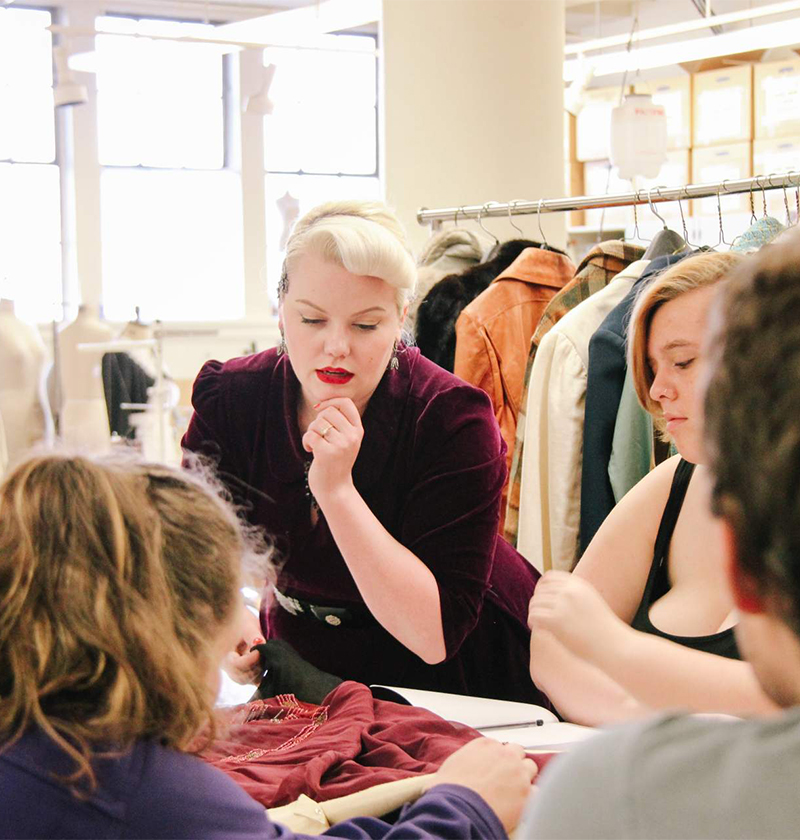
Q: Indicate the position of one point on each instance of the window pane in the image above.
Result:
(310, 190)
(30, 240)
(172, 245)
(27, 128)
(159, 102)
(325, 100)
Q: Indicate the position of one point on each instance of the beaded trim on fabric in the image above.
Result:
(290, 709)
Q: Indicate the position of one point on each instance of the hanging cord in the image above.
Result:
(634, 27)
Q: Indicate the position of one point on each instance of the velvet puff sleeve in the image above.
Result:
(213, 430)
(451, 509)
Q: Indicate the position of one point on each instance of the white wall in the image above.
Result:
(474, 107)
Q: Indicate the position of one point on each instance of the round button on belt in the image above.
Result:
(333, 619)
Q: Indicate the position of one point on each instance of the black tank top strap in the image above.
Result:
(677, 493)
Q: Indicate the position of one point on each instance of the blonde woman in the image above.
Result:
(378, 473)
(118, 600)
(645, 621)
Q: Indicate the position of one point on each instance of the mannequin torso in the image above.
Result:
(23, 360)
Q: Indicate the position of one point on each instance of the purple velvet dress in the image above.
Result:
(431, 468)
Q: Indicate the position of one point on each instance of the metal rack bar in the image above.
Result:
(652, 195)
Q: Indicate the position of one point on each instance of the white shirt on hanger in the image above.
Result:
(550, 491)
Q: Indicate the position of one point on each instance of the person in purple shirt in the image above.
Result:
(378, 474)
(118, 599)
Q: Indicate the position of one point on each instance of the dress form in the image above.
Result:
(84, 417)
(24, 413)
(155, 428)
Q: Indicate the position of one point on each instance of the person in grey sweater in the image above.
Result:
(698, 776)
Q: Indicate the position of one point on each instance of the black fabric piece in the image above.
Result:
(381, 692)
(288, 673)
(722, 643)
(605, 379)
(124, 381)
(439, 310)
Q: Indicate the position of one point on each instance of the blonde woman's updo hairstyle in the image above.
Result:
(363, 237)
(115, 576)
(695, 272)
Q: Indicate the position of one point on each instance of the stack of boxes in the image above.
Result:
(723, 124)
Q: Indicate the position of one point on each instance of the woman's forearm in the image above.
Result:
(664, 674)
(581, 692)
(397, 587)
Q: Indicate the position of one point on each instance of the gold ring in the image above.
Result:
(325, 433)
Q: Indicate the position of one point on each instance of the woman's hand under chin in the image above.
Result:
(334, 438)
(575, 613)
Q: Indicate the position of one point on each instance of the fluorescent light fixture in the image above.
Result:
(780, 34)
(693, 25)
(298, 25)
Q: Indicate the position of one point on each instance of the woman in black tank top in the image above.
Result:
(607, 641)
(722, 643)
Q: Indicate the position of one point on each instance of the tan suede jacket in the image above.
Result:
(493, 333)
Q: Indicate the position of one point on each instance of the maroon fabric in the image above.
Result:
(431, 468)
(349, 743)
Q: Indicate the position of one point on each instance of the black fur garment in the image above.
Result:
(440, 308)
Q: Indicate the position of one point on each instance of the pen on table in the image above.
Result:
(523, 725)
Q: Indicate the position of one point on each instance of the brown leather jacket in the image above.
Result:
(493, 333)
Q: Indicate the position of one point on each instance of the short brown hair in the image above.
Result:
(694, 272)
(752, 418)
(114, 576)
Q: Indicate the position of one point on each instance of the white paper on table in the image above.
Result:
(477, 712)
(552, 736)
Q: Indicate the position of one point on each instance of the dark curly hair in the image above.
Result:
(752, 418)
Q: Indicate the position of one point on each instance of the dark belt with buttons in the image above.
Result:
(332, 616)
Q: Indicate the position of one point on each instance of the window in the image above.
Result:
(30, 202)
(321, 141)
(171, 211)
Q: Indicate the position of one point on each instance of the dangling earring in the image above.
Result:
(394, 362)
(282, 346)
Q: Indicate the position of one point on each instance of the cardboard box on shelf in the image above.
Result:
(593, 124)
(715, 165)
(722, 106)
(776, 91)
(675, 94)
(776, 157)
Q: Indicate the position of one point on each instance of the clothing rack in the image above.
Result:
(650, 195)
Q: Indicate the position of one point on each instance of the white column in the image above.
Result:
(473, 107)
(257, 303)
(86, 247)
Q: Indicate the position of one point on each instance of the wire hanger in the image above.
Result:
(722, 240)
(455, 215)
(652, 206)
(763, 196)
(753, 217)
(786, 204)
(544, 243)
(683, 221)
(513, 204)
(482, 226)
(636, 234)
(666, 242)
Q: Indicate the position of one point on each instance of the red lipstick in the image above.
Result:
(334, 376)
